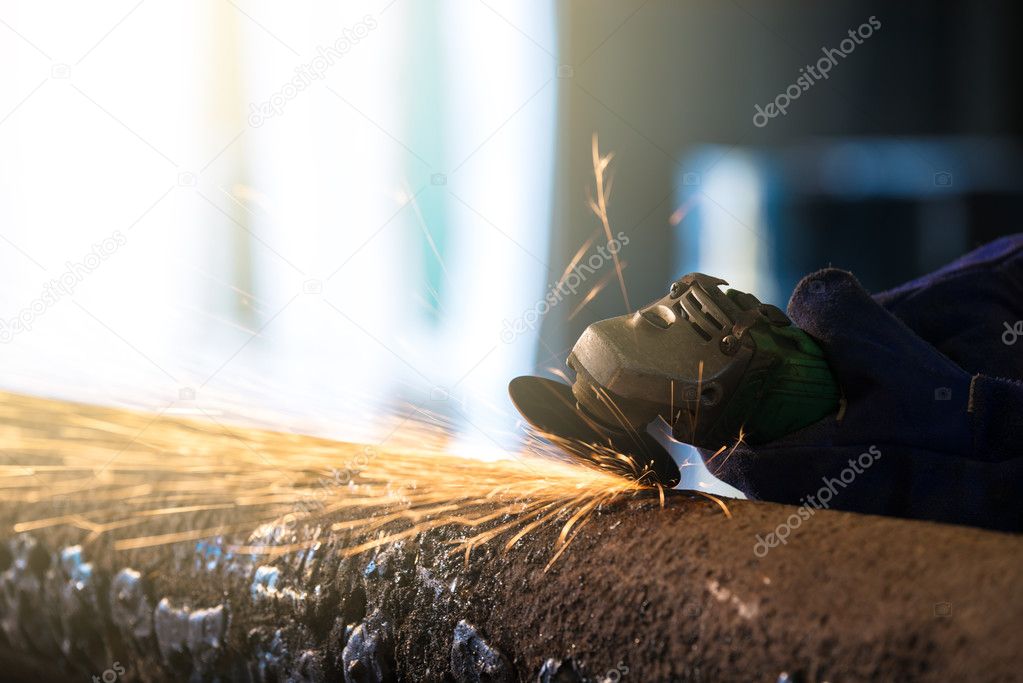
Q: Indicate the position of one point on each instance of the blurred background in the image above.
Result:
(311, 214)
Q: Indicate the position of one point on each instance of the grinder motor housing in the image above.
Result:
(714, 365)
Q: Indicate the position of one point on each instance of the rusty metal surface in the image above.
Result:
(645, 594)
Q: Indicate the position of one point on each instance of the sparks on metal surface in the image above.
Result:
(114, 473)
(125, 470)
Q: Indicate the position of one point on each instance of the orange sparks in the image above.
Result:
(599, 207)
(261, 480)
(574, 262)
(592, 294)
(679, 214)
(740, 440)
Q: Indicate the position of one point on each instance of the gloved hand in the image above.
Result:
(932, 419)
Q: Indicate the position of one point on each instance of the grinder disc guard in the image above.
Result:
(551, 408)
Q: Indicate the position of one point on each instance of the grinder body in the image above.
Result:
(715, 366)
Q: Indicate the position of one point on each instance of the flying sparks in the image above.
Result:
(123, 470)
(599, 207)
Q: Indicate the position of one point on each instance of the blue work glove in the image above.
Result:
(932, 415)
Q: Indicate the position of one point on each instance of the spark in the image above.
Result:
(245, 193)
(716, 454)
(126, 469)
(439, 305)
(692, 413)
(254, 478)
(679, 214)
(599, 207)
(591, 295)
(574, 262)
(699, 396)
(426, 231)
(720, 503)
(738, 442)
(560, 374)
